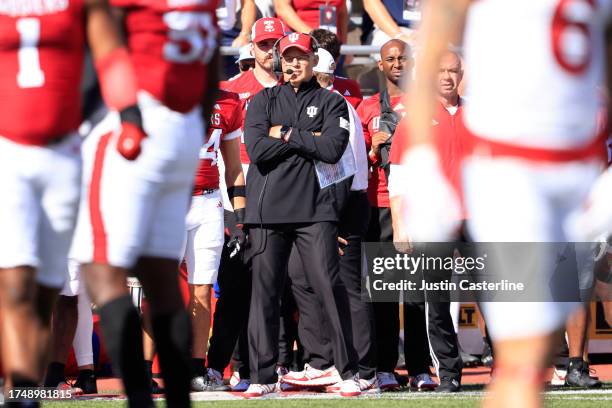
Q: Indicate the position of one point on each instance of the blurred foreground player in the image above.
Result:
(41, 62)
(546, 151)
(133, 213)
(205, 236)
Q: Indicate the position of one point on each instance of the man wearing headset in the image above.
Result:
(288, 129)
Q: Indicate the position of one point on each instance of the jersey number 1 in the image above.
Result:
(30, 75)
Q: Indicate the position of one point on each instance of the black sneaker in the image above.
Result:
(469, 360)
(87, 382)
(487, 355)
(578, 376)
(22, 404)
(448, 384)
(155, 388)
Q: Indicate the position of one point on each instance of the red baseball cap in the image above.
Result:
(299, 40)
(266, 28)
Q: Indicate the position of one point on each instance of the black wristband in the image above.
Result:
(236, 191)
(240, 215)
(132, 115)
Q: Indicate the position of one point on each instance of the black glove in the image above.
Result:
(238, 234)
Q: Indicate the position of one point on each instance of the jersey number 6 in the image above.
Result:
(571, 35)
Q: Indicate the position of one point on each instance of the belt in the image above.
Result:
(203, 191)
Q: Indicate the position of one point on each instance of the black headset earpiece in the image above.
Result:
(276, 59)
(314, 44)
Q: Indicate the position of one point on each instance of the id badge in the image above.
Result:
(328, 19)
(412, 10)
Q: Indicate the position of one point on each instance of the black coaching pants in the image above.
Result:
(232, 310)
(316, 244)
(313, 327)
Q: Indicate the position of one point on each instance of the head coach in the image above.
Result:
(287, 128)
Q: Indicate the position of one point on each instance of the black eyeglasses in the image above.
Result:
(300, 58)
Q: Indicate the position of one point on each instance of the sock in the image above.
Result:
(55, 374)
(20, 381)
(197, 367)
(149, 365)
(172, 334)
(86, 373)
(123, 337)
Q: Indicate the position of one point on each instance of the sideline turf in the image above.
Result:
(555, 401)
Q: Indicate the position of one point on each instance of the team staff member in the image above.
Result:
(231, 312)
(450, 139)
(205, 236)
(287, 128)
(353, 224)
(265, 33)
(395, 64)
(349, 88)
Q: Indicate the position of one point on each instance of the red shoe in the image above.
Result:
(66, 387)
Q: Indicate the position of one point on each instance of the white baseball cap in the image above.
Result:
(326, 64)
(244, 53)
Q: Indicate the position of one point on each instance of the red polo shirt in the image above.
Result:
(450, 140)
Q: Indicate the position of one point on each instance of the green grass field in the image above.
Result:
(560, 402)
(404, 399)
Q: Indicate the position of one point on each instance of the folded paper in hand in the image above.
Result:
(329, 174)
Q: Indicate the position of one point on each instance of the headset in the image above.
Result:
(276, 57)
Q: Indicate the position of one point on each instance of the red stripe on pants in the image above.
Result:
(95, 213)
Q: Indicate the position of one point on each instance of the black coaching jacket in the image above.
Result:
(282, 185)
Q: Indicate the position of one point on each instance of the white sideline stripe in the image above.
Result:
(556, 395)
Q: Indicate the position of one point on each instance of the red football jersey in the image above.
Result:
(246, 86)
(41, 62)
(349, 88)
(225, 124)
(171, 43)
(369, 113)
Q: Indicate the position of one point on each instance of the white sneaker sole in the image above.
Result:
(315, 382)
